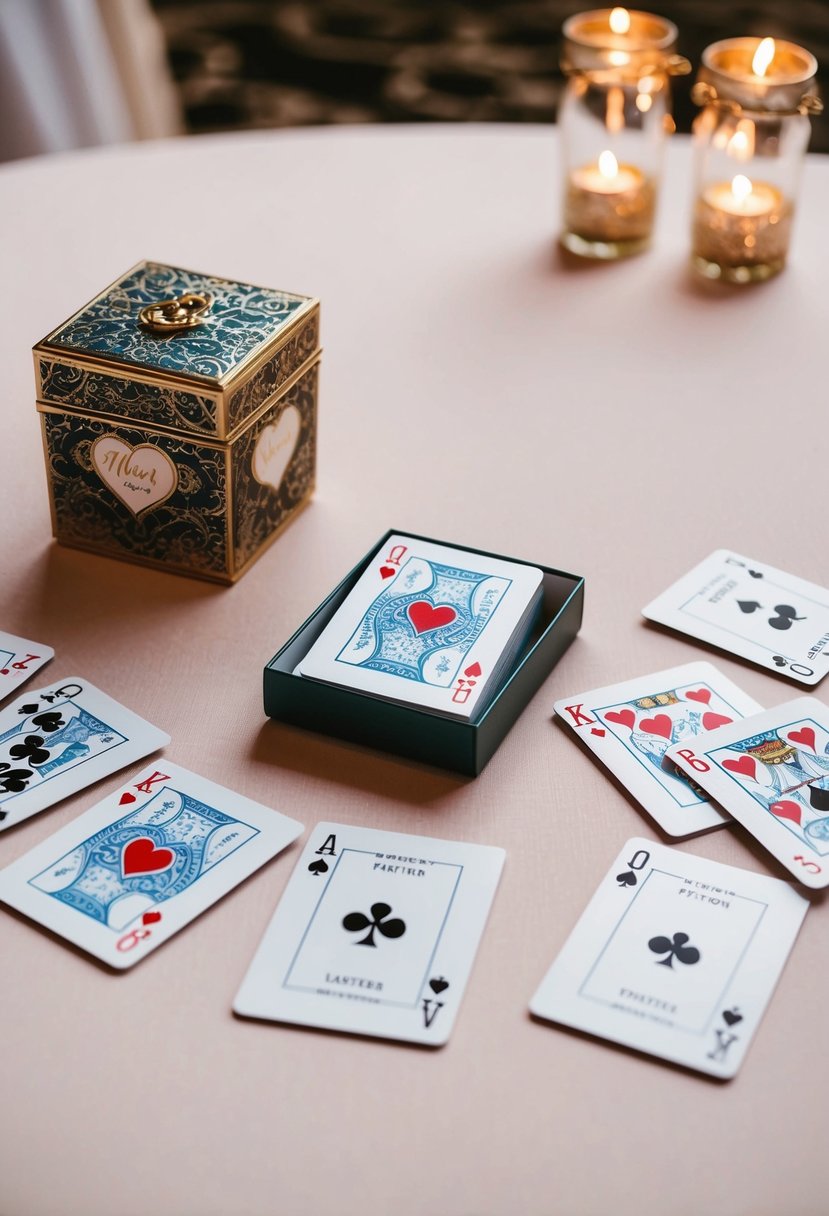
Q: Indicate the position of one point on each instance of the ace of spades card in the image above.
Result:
(675, 956)
(375, 934)
(752, 610)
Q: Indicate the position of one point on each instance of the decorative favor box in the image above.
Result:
(464, 747)
(179, 419)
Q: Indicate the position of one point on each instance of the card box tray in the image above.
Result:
(463, 747)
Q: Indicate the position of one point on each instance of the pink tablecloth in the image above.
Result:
(618, 421)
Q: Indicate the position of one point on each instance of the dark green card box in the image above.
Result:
(464, 747)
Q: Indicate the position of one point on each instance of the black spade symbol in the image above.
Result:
(438, 985)
(318, 867)
(779, 660)
(748, 605)
(755, 574)
(628, 879)
(28, 709)
(732, 1016)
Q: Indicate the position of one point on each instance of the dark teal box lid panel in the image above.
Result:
(242, 320)
(463, 747)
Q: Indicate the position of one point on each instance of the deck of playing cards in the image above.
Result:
(429, 626)
(676, 956)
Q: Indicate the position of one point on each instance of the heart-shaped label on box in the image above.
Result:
(275, 447)
(141, 477)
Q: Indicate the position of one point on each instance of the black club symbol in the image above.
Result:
(675, 948)
(13, 780)
(48, 722)
(355, 922)
(30, 749)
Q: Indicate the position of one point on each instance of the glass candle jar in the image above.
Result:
(613, 120)
(750, 138)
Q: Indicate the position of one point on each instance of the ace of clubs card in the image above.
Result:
(375, 934)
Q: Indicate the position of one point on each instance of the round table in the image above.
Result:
(619, 421)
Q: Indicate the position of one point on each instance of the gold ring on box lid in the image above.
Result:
(179, 312)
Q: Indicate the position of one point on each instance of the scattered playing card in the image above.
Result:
(59, 740)
(428, 625)
(771, 772)
(19, 659)
(144, 862)
(751, 610)
(675, 956)
(631, 725)
(375, 934)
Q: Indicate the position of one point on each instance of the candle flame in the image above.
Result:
(741, 188)
(763, 57)
(620, 21)
(609, 166)
(741, 144)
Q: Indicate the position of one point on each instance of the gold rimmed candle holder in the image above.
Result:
(614, 118)
(756, 97)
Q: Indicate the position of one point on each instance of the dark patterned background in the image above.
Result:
(279, 63)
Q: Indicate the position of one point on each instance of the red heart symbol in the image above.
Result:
(474, 670)
(626, 716)
(4, 672)
(597, 730)
(699, 694)
(127, 797)
(786, 810)
(660, 725)
(386, 571)
(150, 918)
(745, 766)
(424, 617)
(141, 856)
(806, 736)
(711, 721)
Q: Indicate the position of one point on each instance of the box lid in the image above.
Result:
(163, 326)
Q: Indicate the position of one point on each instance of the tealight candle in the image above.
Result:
(614, 117)
(741, 225)
(606, 204)
(751, 136)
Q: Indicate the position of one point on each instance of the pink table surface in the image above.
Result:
(618, 421)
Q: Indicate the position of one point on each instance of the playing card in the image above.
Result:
(751, 610)
(676, 956)
(59, 740)
(428, 625)
(631, 725)
(771, 772)
(375, 934)
(19, 659)
(144, 862)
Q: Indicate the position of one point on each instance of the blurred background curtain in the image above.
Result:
(74, 73)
